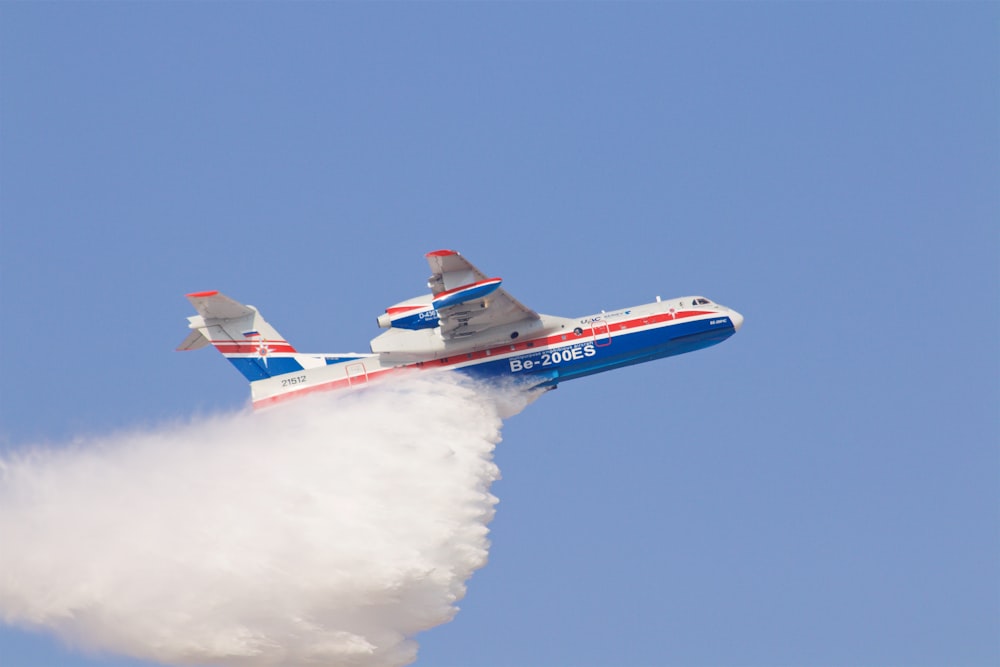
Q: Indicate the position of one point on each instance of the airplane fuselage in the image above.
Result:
(541, 354)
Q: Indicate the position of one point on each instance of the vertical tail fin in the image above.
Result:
(239, 332)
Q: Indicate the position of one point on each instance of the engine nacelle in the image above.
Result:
(469, 292)
(421, 312)
(413, 314)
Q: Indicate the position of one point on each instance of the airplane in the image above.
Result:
(468, 323)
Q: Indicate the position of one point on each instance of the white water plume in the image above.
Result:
(328, 531)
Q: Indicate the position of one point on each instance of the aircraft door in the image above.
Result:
(602, 334)
(356, 374)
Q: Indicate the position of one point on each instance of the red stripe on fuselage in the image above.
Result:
(331, 385)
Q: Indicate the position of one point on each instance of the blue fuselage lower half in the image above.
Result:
(577, 355)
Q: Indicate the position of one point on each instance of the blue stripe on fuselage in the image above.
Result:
(581, 356)
(254, 368)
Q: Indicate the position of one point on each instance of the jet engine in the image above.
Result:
(413, 314)
(421, 312)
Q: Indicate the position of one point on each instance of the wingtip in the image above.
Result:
(201, 295)
(441, 253)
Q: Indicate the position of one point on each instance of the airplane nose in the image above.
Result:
(736, 319)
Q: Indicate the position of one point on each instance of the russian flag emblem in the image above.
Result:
(250, 334)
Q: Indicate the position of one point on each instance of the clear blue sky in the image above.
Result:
(822, 489)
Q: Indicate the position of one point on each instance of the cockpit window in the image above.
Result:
(701, 301)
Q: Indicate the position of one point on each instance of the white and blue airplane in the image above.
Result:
(468, 323)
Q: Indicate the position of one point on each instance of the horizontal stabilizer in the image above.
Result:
(216, 306)
(195, 341)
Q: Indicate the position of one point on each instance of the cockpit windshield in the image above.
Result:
(701, 301)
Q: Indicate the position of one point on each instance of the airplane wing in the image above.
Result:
(470, 301)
